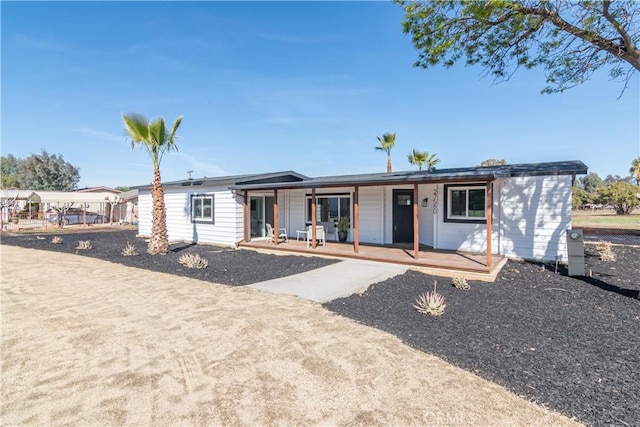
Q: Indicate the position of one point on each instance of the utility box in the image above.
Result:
(575, 250)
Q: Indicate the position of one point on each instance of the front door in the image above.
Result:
(402, 216)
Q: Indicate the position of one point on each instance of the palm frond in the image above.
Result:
(136, 127)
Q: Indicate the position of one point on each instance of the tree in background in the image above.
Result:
(611, 179)
(10, 171)
(570, 40)
(423, 158)
(44, 171)
(122, 188)
(635, 169)
(581, 197)
(493, 162)
(590, 182)
(387, 141)
(623, 196)
(153, 137)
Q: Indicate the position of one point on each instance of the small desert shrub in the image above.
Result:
(56, 240)
(460, 283)
(431, 303)
(130, 250)
(193, 261)
(605, 251)
(84, 244)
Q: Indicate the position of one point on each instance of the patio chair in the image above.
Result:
(282, 234)
(330, 230)
(320, 235)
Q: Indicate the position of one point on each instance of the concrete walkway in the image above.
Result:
(334, 281)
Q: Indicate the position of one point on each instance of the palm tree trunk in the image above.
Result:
(388, 164)
(159, 241)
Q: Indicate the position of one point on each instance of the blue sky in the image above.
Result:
(271, 86)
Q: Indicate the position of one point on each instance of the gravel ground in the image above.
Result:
(572, 344)
(226, 265)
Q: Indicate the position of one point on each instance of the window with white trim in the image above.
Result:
(466, 203)
(202, 208)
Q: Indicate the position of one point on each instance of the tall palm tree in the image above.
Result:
(417, 158)
(387, 141)
(635, 169)
(152, 136)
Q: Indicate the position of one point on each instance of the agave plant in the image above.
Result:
(84, 244)
(130, 250)
(431, 303)
(460, 283)
(193, 261)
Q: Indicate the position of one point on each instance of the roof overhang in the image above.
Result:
(427, 177)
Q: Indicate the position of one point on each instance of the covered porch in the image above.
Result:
(403, 211)
(438, 261)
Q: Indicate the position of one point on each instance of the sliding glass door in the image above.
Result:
(261, 213)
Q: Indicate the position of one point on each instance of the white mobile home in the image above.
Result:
(525, 208)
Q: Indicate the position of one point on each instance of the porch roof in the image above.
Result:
(479, 173)
(246, 179)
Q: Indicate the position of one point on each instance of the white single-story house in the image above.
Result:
(525, 208)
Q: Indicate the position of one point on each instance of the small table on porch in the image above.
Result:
(304, 233)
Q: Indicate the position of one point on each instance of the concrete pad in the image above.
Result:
(334, 281)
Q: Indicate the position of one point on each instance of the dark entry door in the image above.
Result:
(402, 216)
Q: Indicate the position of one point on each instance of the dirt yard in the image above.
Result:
(88, 342)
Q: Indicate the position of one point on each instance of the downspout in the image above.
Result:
(276, 219)
(245, 217)
(356, 220)
(416, 223)
(489, 215)
(313, 218)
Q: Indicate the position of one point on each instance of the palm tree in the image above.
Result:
(423, 158)
(153, 137)
(387, 141)
(417, 158)
(431, 161)
(635, 169)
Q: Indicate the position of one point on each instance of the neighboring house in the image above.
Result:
(92, 201)
(526, 208)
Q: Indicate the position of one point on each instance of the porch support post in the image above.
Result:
(416, 225)
(313, 218)
(489, 212)
(276, 222)
(245, 216)
(356, 221)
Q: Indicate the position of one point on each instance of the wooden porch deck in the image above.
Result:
(440, 262)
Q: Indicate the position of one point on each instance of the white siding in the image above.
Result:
(371, 214)
(426, 214)
(226, 229)
(536, 212)
(530, 217)
(297, 200)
